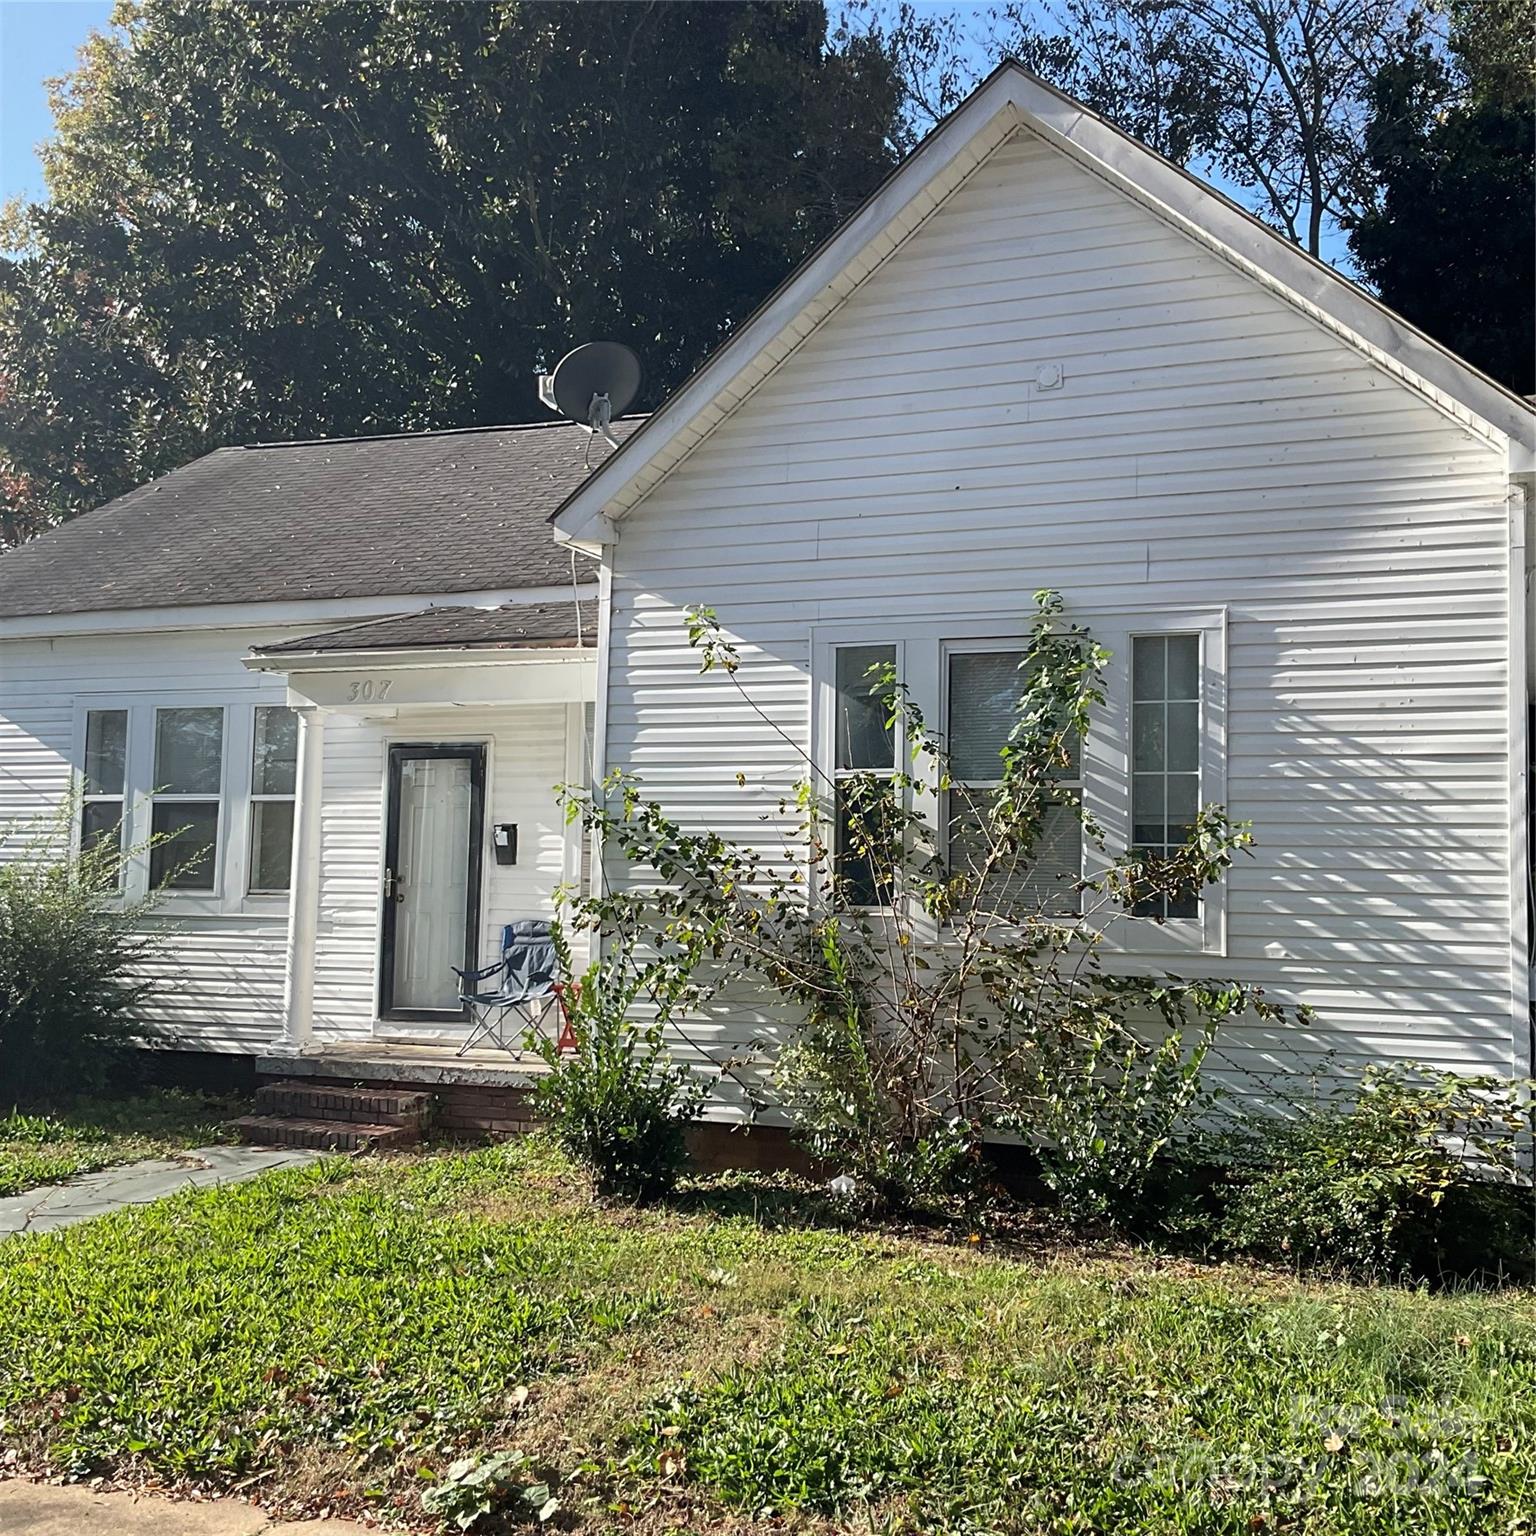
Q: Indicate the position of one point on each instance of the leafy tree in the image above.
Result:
(268, 220)
(1450, 237)
(1272, 96)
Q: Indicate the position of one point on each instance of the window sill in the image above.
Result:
(1145, 937)
(203, 905)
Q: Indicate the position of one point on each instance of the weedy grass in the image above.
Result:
(46, 1148)
(737, 1360)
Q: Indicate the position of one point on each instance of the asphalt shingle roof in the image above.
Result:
(462, 511)
(514, 627)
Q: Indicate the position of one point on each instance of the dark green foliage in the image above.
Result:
(1402, 1170)
(1450, 238)
(618, 1105)
(472, 1489)
(269, 220)
(72, 991)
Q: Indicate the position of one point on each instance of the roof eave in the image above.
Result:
(418, 656)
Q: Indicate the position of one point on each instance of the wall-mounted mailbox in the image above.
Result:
(504, 841)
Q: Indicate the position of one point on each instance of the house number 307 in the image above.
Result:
(368, 691)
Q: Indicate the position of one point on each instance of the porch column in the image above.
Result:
(304, 895)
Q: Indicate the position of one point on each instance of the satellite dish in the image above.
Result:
(593, 384)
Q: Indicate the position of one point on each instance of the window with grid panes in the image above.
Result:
(1165, 754)
(187, 799)
(864, 755)
(274, 785)
(102, 778)
(984, 688)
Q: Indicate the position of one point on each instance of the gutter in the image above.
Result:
(422, 658)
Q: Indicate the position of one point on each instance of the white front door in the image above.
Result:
(432, 876)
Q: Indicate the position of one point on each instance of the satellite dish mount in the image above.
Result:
(591, 386)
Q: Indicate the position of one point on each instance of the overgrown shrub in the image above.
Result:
(1403, 1169)
(618, 1105)
(968, 999)
(72, 985)
(1108, 1106)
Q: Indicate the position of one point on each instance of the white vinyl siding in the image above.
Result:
(221, 970)
(1210, 451)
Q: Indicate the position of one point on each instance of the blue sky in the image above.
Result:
(38, 40)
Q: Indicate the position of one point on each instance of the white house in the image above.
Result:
(1039, 356)
(330, 665)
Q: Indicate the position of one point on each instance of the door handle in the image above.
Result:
(394, 886)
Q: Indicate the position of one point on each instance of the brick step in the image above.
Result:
(324, 1135)
(320, 1101)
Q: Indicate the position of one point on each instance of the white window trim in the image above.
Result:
(1107, 770)
(921, 651)
(229, 897)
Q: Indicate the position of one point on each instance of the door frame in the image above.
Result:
(399, 751)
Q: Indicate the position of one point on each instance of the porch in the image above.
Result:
(431, 749)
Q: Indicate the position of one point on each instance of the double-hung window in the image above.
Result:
(1165, 754)
(864, 764)
(274, 782)
(983, 693)
(187, 797)
(103, 778)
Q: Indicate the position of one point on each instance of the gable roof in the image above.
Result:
(427, 512)
(515, 626)
(1010, 99)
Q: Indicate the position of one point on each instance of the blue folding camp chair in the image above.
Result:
(527, 984)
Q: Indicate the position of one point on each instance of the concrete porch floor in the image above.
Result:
(378, 1061)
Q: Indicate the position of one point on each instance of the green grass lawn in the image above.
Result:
(47, 1148)
(336, 1335)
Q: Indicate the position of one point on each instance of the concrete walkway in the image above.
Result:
(40, 1509)
(94, 1194)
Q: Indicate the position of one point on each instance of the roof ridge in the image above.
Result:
(385, 437)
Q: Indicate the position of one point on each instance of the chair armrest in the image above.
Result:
(481, 974)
